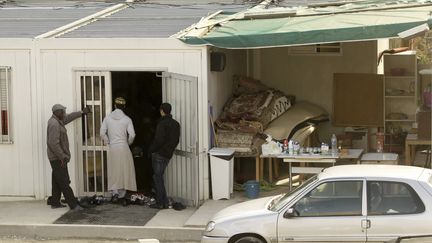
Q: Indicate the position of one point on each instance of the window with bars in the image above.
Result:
(5, 83)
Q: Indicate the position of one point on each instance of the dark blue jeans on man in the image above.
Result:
(159, 164)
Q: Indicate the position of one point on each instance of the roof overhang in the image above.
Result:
(307, 27)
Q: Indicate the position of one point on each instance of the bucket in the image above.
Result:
(252, 189)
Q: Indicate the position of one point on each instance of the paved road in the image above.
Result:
(26, 240)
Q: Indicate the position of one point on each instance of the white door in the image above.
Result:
(181, 176)
(331, 212)
(396, 209)
(93, 91)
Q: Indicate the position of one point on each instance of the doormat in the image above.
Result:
(110, 214)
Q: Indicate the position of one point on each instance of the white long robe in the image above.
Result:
(117, 130)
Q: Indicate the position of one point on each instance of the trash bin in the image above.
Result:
(252, 189)
(222, 172)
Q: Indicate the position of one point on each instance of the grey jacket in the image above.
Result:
(57, 139)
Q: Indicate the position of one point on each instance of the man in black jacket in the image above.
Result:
(161, 150)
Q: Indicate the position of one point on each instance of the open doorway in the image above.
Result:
(143, 94)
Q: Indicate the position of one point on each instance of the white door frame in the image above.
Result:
(182, 173)
(191, 151)
(79, 136)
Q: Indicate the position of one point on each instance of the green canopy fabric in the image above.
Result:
(298, 30)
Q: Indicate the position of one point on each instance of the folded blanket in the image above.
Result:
(253, 112)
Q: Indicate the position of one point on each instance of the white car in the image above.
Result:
(350, 203)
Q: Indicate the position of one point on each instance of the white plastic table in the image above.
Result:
(329, 160)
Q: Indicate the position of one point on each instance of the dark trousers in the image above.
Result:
(159, 164)
(60, 184)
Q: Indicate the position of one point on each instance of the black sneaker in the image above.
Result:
(58, 206)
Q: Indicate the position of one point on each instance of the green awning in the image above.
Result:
(315, 29)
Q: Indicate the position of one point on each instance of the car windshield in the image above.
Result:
(279, 201)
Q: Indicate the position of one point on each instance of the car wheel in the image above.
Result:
(248, 239)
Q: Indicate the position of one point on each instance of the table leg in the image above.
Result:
(257, 168)
(276, 168)
(412, 155)
(270, 168)
(290, 176)
(407, 154)
(238, 165)
(261, 169)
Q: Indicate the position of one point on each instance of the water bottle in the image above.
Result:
(290, 147)
(296, 147)
(334, 149)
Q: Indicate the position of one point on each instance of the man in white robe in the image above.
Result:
(118, 132)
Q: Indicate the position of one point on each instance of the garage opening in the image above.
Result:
(143, 94)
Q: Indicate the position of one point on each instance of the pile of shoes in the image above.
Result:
(93, 201)
(134, 199)
(139, 199)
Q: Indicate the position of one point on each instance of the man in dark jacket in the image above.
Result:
(59, 155)
(161, 150)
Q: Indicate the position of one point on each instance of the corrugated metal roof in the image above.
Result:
(150, 20)
(146, 19)
(29, 22)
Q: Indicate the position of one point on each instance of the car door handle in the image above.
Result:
(366, 224)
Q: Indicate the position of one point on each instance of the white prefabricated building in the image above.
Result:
(73, 55)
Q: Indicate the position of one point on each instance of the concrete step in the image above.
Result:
(61, 231)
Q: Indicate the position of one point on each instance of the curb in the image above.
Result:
(57, 231)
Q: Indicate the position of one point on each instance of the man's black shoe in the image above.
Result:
(158, 206)
(58, 206)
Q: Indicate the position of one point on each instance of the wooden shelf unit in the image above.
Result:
(400, 96)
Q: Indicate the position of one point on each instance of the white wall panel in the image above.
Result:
(16, 161)
(310, 77)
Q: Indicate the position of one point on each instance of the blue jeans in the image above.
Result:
(159, 164)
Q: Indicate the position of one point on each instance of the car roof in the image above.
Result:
(373, 171)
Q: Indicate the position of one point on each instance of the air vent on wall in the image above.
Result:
(318, 49)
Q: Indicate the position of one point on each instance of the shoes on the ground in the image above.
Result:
(115, 198)
(77, 208)
(158, 206)
(58, 206)
(125, 202)
(85, 204)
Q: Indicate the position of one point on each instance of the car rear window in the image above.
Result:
(390, 198)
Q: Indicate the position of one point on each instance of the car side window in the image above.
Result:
(339, 198)
(390, 198)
